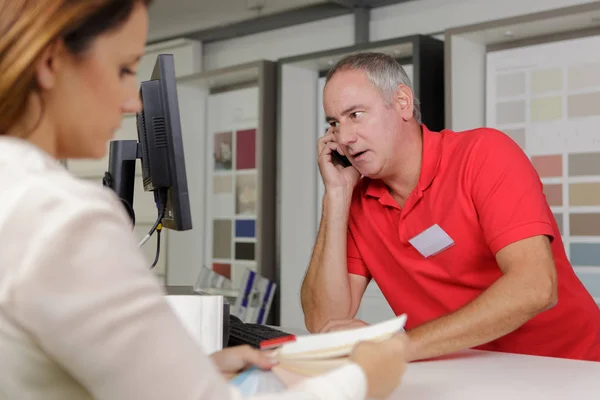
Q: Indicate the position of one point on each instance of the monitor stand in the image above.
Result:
(120, 177)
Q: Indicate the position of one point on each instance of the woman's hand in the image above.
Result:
(233, 360)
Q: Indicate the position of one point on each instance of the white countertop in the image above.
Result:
(486, 375)
(483, 375)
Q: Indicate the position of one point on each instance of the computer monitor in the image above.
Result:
(160, 148)
(159, 134)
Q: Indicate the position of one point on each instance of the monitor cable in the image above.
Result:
(160, 197)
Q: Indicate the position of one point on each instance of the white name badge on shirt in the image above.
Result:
(431, 241)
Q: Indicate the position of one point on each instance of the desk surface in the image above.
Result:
(477, 375)
(486, 375)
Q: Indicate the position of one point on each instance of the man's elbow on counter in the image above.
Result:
(309, 309)
(314, 320)
(310, 323)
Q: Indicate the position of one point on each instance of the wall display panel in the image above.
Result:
(232, 193)
(547, 98)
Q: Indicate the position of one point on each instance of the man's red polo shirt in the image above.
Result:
(482, 190)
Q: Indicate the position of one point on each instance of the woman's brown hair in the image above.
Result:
(28, 27)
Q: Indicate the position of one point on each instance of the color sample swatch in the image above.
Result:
(584, 224)
(511, 112)
(583, 76)
(511, 85)
(546, 109)
(554, 194)
(548, 166)
(246, 192)
(223, 150)
(222, 239)
(245, 228)
(546, 80)
(550, 106)
(222, 269)
(246, 149)
(584, 164)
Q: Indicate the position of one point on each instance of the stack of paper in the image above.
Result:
(316, 354)
(202, 316)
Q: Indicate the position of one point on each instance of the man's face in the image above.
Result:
(366, 127)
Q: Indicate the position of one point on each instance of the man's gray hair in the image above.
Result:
(383, 71)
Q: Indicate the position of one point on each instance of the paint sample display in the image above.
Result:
(246, 149)
(511, 112)
(223, 151)
(244, 251)
(222, 269)
(223, 205)
(223, 184)
(546, 109)
(222, 201)
(584, 164)
(245, 228)
(222, 239)
(546, 80)
(585, 254)
(554, 194)
(584, 194)
(583, 76)
(548, 166)
(245, 200)
(234, 193)
(584, 105)
(585, 224)
(510, 85)
(560, 133)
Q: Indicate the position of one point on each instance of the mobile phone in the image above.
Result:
(337, 158)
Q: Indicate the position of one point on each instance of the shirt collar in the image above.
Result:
(430, 162)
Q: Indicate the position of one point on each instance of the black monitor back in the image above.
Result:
(160, 138)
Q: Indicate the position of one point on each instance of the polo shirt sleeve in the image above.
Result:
(356, 265)
(507, 192)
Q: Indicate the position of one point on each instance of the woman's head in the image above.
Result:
(67, 71)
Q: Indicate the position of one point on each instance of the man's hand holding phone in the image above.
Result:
(335, 174)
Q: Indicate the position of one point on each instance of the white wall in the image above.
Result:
(419, 16)
(298, 208)
(299, 39)
(185, 249)
(433, 16)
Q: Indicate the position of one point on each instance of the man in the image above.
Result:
(454, 228)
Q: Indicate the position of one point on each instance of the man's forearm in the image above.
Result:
(326, 289)
(502, 308)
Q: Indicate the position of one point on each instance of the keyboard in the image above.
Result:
(241, 333)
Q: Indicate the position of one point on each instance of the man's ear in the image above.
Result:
(404, 102)
(48, 65)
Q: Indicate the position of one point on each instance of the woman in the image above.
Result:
(81, 316)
